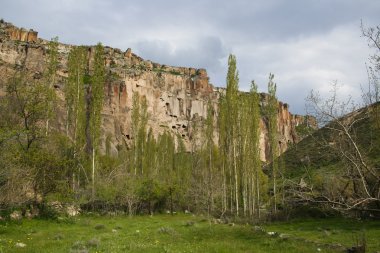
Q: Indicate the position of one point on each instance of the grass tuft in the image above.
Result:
(99, 226)
(93, 243)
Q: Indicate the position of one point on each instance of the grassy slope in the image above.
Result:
(309, 158)
(165, 233)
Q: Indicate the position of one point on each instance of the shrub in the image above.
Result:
(47, 212)
(153, 195)
(311, 212)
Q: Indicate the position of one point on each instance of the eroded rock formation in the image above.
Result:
(20, 34)
(176, 96)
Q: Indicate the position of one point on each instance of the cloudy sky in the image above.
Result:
(307, 44)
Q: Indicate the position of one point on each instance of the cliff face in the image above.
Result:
(176, 96)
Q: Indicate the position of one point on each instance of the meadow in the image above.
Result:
(183, 233)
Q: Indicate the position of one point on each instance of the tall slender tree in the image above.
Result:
(272, 113)
(222, 127)
(229, 133)
(52, 66)
(139, 119)
(257, 175)
(209, 137)
(96, 105)
(75, 105)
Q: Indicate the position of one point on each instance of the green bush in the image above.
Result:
(47, 212)
(153, 195)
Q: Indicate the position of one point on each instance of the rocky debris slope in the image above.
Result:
(175, 96)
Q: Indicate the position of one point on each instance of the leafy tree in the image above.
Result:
(258, 178)
(209, 137)
(23, 116)
(139, 122)
(75, 96)
(26, 101)
(95, 106)
(149, 155)
(231, 131)
(272, 113)
(135, 117)
(76, 108)
(51, 73)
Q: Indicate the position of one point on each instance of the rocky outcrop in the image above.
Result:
(19, 34)
(286, 125)
(175, 96)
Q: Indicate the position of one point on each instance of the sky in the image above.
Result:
(306, 44)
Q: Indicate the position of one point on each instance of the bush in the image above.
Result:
(47, 212)
(153, 195)
(306, 211)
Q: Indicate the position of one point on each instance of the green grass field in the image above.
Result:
(180, 233)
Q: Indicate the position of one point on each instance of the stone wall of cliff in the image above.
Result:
(176, 96)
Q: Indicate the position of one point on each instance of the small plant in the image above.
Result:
(189, 223)
(361, 245)
(99, 226)
(93, 243)
(58, 237)
(166, 230)
(174, 72)
(66, 220)
(78, 246)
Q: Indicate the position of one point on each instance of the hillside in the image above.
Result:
(316, 151)
(327, 165)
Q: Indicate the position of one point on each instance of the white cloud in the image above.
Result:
(304, 63)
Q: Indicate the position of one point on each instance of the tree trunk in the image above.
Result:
(93, 173)
(236, 182)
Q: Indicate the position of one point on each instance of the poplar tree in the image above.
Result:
(75, 96)
(232, 131)
(209, 134)
(142, 135)
(135, 118)
(243, 149)
(229, 133)
(52, 65)
(96, 105)
(149, 161)
(272, 112)
(75, 103)
(257, 177)
(222, 127)
(139, 120)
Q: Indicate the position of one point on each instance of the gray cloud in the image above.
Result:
(306, 44)
(203, 52)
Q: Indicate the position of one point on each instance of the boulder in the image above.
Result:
(15, 215)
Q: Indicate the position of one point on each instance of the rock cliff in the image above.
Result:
(175, 96)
